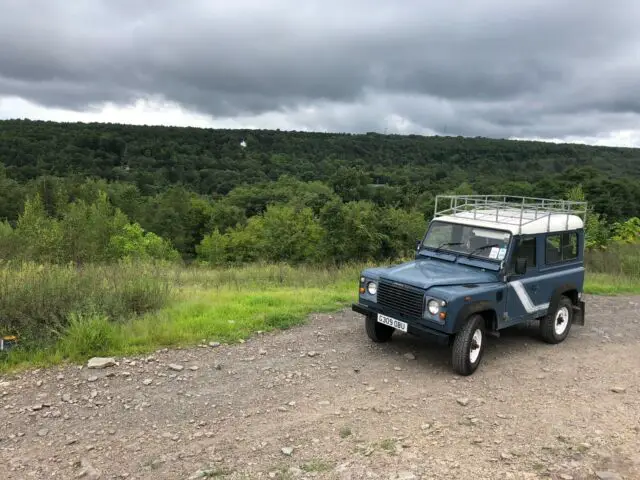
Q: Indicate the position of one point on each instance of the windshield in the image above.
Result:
(468, 240)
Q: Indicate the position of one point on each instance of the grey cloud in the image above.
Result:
(474, 67)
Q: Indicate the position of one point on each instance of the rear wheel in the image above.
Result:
(555, 327)
(378, 332)
(468, 346)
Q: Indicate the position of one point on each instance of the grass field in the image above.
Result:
(67, 314)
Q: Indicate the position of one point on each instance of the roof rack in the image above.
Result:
(514, 211)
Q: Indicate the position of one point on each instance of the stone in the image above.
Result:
(202, 474)
(101, 362)
(287, 450)
(406, 476)
(175, 367)
(409, 356)
(88, 472)
(605, 475)
(463, 401)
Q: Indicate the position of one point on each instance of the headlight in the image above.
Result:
(433, 306)
(372, 288)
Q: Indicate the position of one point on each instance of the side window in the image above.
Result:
(561, 247)
(525, 247)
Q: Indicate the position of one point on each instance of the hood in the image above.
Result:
(427, 273)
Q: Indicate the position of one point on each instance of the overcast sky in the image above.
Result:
(560, 70)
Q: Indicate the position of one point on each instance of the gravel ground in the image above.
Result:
(322, 401)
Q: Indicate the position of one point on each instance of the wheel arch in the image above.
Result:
(569, 290)
(484, 308)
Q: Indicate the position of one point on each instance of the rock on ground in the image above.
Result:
(100, 362)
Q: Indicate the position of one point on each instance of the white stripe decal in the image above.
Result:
(525, 299)
(523, 296)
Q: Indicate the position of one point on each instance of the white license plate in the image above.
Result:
(392, 322)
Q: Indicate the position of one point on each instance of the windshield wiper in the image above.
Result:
(446, 244)
(483, 247)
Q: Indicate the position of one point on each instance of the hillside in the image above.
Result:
(213, 162)
(185, 183)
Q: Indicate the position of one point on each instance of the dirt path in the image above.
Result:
(347, 408)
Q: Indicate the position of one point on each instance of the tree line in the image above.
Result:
(99, 192)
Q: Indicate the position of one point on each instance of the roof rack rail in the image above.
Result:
(514, 211)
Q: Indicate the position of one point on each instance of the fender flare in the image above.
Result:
(469, 309)
(558, 292)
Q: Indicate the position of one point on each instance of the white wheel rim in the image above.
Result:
(476, 345)
(562, 320)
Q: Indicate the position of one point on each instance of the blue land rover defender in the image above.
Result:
(486, 263)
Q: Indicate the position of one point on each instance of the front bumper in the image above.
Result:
(413, 327)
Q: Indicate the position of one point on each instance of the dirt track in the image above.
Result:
(349, 409)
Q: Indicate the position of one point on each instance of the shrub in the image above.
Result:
(38, 301)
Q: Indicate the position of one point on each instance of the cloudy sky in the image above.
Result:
(562, 70)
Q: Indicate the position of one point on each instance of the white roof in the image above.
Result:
(516, 221)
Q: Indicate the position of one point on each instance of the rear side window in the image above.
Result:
(561, 247)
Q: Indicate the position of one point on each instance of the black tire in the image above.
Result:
(562, 316)
(465, 345)
(378, 332)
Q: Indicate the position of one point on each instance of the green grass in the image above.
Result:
(223, 305)
(611, 284)
(62, 313)
(613, 270)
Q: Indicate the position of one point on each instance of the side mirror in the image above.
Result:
(418, 244)
(521, 265)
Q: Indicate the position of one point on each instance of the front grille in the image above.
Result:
(402, 299)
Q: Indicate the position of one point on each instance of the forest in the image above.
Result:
(73, 192)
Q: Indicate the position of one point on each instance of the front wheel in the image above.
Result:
(468, 346)
(554, 328)
(378, 332)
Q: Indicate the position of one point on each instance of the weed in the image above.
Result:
(317, 465)
(388, 444)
